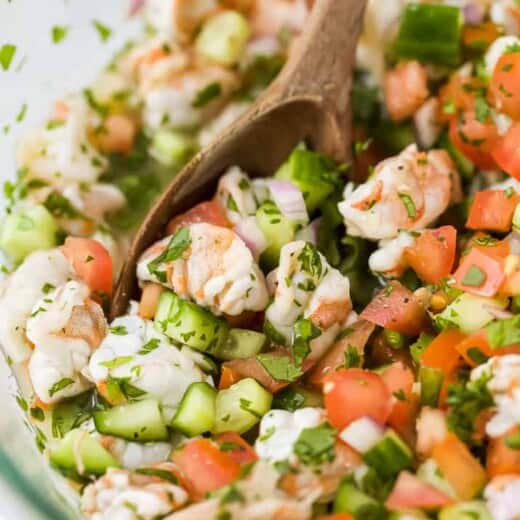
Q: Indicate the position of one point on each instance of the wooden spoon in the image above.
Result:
(309, 101)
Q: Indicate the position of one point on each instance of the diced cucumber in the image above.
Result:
(351, 500)
(241, 344)
(313, 173)
(80, 446)
(431, 380)
(430, 33)
(516, 218)
(140, 421)
(473, 510)
(196, 412)
(27, 231)
(389, 456)
(469, 313)
(429, 472)
(241, 406)
(297, 396)
(223, 38)
(171, 147)
(190, 324)
(277, 230)
(71, 413)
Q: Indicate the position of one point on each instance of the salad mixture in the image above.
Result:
(336, 341)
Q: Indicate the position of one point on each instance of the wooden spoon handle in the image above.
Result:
(320, 68)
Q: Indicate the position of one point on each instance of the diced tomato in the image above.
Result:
(441, 352)
(481, 36)
(492, 210)
(501, 459)
(458, 95)
(433, 253)
(479, 274)
(476, 348)
(506, 151)
(208, 212)
(475, 139)
(489, 245)
(410, 492)
(228, 377)
(205, 466)
(505, 85)
(335, 356)
(396, 308)
(353, 393)
(400, 379)
(92, 264)
(236, 447)
(460, 468)
(337, 516)
(406, 89)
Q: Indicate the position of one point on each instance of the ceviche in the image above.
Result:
(334, 341)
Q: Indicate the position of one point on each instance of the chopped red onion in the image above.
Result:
(289, 200)
(473, 13)
(136, 6)
(362, 434)
(310, 233)
(247, 229)
(499, 314)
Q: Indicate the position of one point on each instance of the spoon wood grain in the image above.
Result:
(309, 101)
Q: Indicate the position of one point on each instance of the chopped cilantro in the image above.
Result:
(316, 445)
(352, 357)
(163, 474)
(7, 52)
(149, 346)
(280, 368)
(288, 399)
(207, 94)
(501, 333)
(59, 33)
(117, 361)
(408, 204)
(304, 333)
(21, 114)
(60, 385)
(179, 242)
(103, 30)
(118, 330)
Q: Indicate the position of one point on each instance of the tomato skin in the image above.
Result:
(92, 263)
(501, 459)
(506, 151)
(433, 254)
(399, 380)
(441, 352)
(352, 393)
(475, 139)
(460, 468)
(228, 377)
(208, 212)
(492, 210)
(411, 492)
(481, 36)
(505, 85)
(490, 267)
(479, 341)
(396, 308)
(458, 95)
(205, 466)
(242, 452)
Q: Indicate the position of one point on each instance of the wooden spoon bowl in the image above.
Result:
(309, 101)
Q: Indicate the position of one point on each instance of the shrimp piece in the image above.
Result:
(269, 17)
(406, 89)
(216, 270)
(65, 327)
(408, 191)
(20, 291)
(132, 496)
(133, 455)
(307, 286)
(118, 134)
(179, 20)
(153, 364)
(174, 102)
(389, 258)
(501, 496)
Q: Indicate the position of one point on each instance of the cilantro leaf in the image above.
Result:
(103, 30)
(207, 94)
(501, 333)
(304, 333)
(179, 242)
(7, 52)
(315, 445)
(466, 401)
(60, 385)
(59, 33)
(280, 368)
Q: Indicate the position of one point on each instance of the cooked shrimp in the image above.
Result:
(117, 134)
(216, 270)
(389, 258)
(133, 455)
(269, 17)
(408, 191)
(65, 327)
(501, 496)
(151, 363)
(132, 496)
(40, 272)
(406, 89)
(307, 286)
